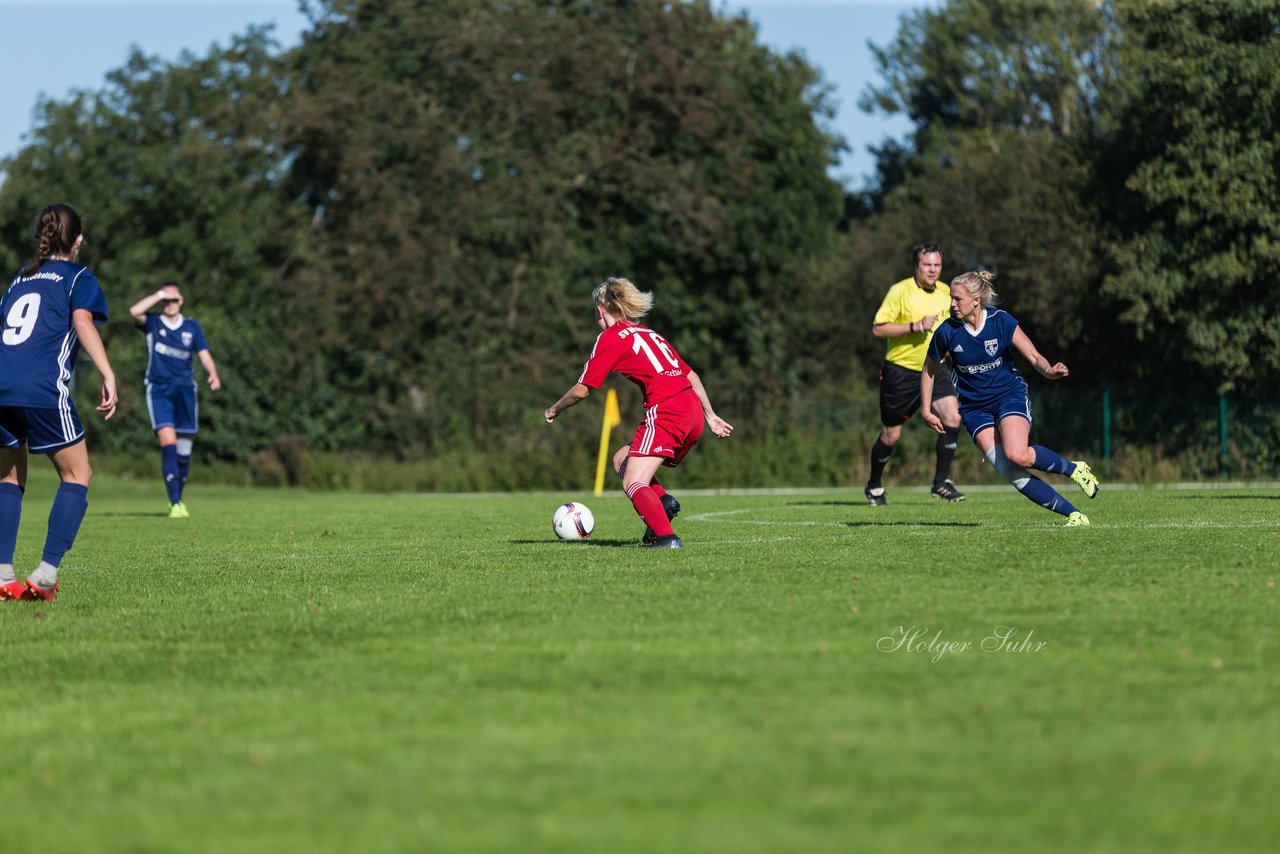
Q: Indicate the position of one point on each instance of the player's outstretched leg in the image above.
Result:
(1032, 487)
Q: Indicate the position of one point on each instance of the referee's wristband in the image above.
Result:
(911, 326)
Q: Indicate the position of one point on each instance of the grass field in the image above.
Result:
(327, 672)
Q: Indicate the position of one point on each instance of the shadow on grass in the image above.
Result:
(137, 514)
(904, 524)
(1200, 496)
(607, 544)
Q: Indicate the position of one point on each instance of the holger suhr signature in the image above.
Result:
(919, 639)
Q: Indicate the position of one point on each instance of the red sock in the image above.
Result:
(657, 488)
(650, 509)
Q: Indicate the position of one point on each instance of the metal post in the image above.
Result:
(1222, 433)
(1106, 422)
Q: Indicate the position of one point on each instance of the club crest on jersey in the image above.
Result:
(992, 346)
(186, 339)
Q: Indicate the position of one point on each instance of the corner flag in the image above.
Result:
(612, 418)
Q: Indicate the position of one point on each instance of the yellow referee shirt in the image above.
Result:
(907, 302)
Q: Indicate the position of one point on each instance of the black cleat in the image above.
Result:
(875, 497)
(947, 490)
(669, 504)
(671, 542)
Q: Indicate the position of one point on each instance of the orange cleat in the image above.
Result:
(13, 591)
(35, 592)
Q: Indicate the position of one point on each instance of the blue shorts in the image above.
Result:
(977, 418)
(173, 405)
(42, 430)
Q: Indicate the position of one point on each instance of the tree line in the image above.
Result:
(390, 231)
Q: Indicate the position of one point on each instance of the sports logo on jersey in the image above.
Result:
(992, 346)
(957, 349)
(186, 339)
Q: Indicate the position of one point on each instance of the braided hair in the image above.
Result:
(56, 230)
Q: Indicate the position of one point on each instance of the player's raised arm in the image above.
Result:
(138, 311)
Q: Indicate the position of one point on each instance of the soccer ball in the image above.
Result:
(573, 521)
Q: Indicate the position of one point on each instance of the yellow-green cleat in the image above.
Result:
(1085, 479)
(179, 511)
(1077, 520)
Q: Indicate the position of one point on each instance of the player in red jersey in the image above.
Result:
(675, 403)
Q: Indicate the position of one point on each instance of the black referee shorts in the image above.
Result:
(900, 392)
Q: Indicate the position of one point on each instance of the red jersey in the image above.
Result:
(642, 356)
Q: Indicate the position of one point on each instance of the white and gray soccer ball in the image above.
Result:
(573, 521)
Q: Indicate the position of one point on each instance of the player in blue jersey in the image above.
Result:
(173, 343)
(994, 405)
(48, 313)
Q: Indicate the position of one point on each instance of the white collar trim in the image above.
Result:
(976, 332)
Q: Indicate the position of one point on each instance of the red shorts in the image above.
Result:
(670, 429)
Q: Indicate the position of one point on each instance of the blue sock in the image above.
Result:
(1045, 495)
(1051, 461)
(69, 507)
(10, 516)
(184, 466)
(169, 467)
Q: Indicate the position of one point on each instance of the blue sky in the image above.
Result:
(93, 37)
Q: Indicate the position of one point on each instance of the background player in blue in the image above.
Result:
(993, 396)
(172, 342)
(47, 314)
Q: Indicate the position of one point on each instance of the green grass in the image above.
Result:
(298, 671)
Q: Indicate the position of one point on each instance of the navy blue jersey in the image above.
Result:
(38, 344)
(171, 349)
(983, 366)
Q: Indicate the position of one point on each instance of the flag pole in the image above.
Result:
(612, 418)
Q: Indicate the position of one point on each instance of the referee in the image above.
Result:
(906, 320)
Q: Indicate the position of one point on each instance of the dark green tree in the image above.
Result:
(176, 169)
(999, 169)
(1196, 157)
(477, 167)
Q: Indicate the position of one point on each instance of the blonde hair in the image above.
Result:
(620, 297)
(978, 284)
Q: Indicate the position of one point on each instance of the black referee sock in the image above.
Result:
(880, 453)
(946, 453)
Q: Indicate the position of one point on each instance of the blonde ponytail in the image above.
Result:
(621, 298)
